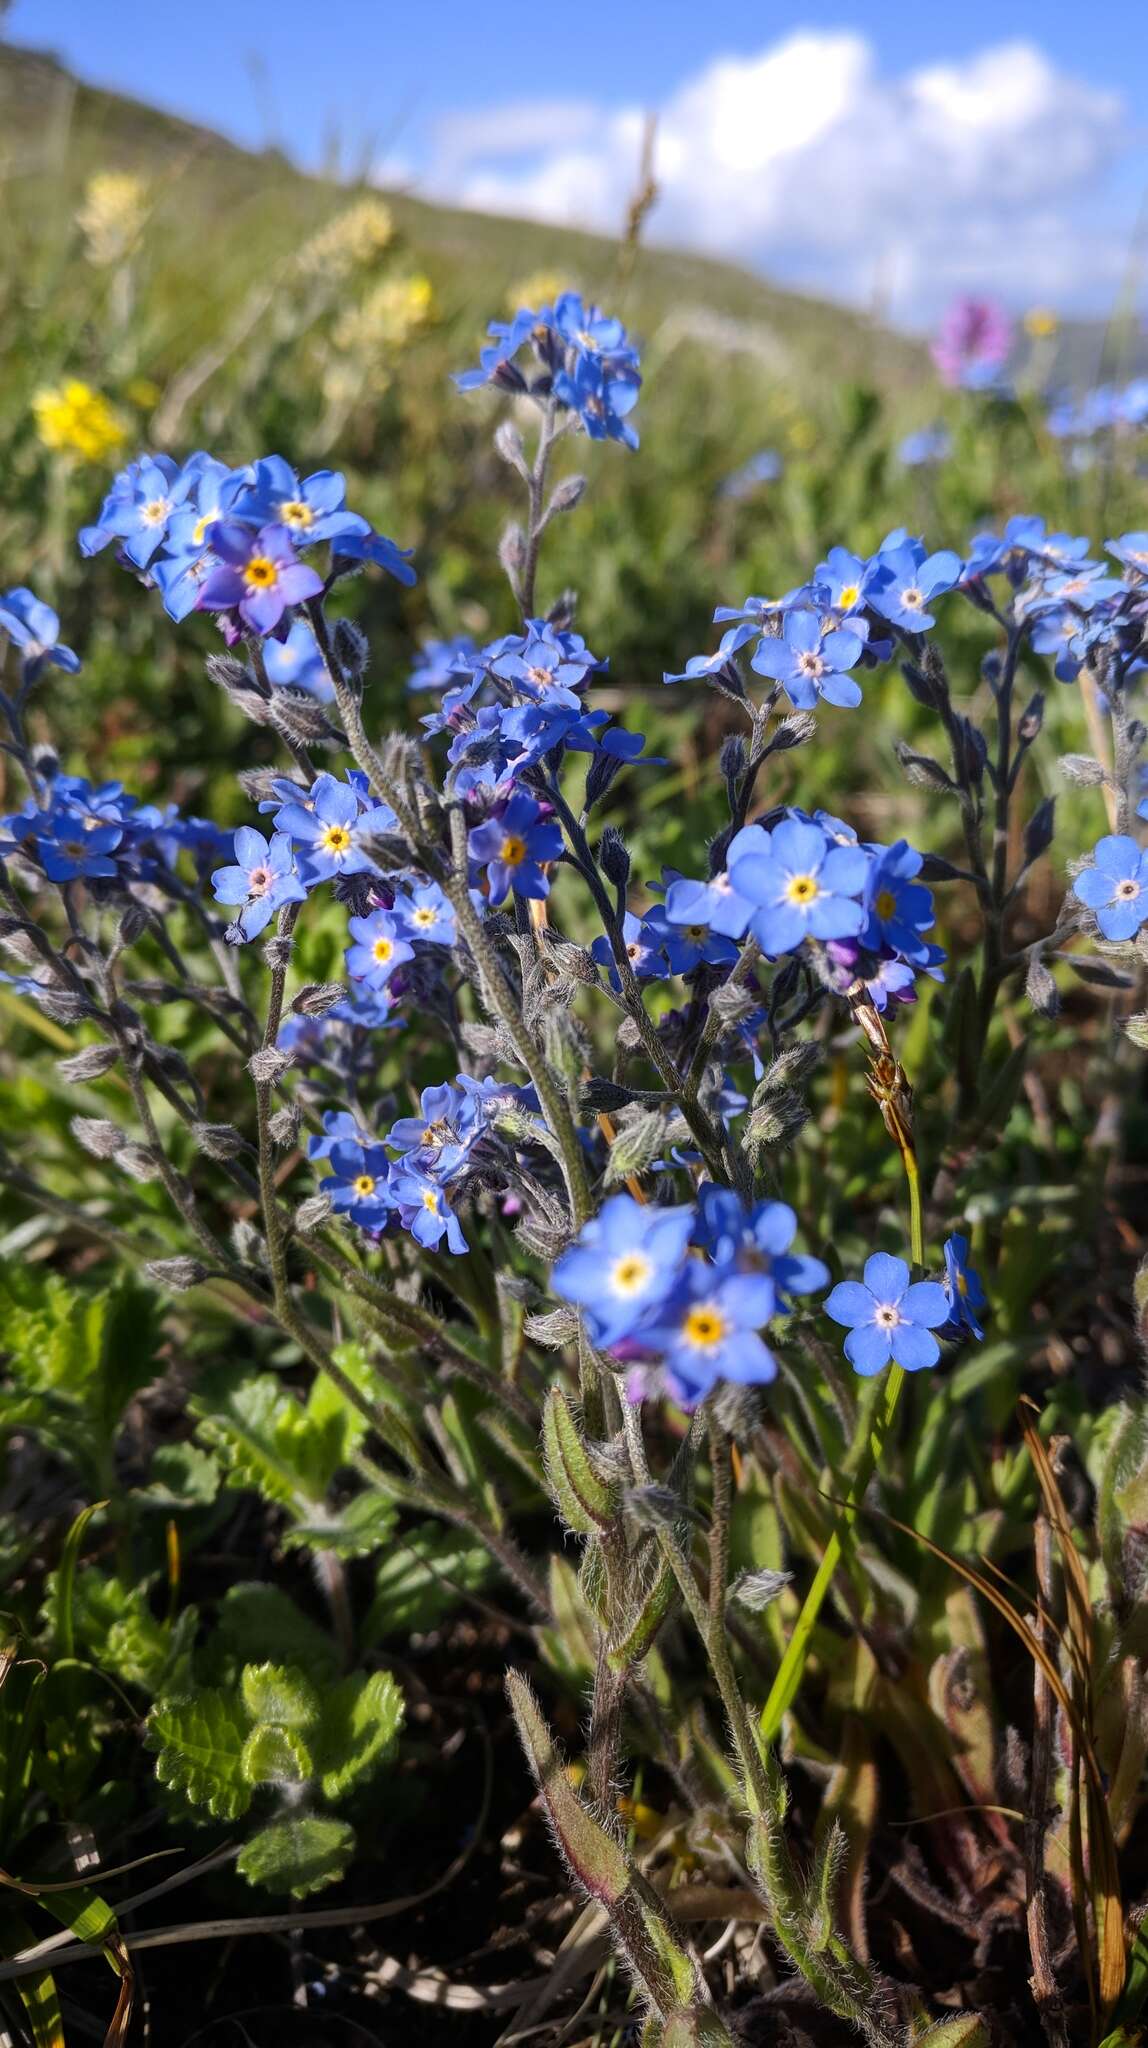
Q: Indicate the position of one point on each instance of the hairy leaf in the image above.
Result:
(360, 1723)
(298, 1856)
(200, 1739)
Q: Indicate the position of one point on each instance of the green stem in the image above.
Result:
(864, 1455)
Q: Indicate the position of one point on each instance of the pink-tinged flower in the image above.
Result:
(258, 576)
(972, 342)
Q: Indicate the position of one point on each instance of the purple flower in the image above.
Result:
(887, 1318)
(258, 576)
(511, 847)
(972, 342)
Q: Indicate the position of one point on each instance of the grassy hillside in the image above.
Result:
(57, 131)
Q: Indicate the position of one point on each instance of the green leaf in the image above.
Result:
(298, 1856)
(365, 1525)
(183, 1476)
(419, 1581)
(585, 1501)
(261, 1624)
(288, 1450)
(65, 1579)
(200, 1740)
(360, 1723)
(275, 1756)
(273, 1693)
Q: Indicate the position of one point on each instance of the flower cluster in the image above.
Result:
(70, 830)
(228, 540)
(972, 343)
(584, 365)
(688, 1289)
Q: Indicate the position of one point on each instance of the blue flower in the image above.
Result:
(588, 330)
(708, 1330)
(332, 829)
(425, 916)
(899, 908)
(544, 663)
(763, 468)
(512, 846)
(623, 1265)
(1116, 887)
(1132, 550)
(845, 579)
(925, 447)
(908, 580)
(356, 541)
(440, 1138)
(643, 950)
(297, 663)
(424, 1210)
(377, 950)
(507, 337)
(441, 662)
(359, 1183)
(34, 628)
(140, 511)
(340, 1127)
(756, 1239)
(688, 942)
(887, 1318)
(802, 887)
(311, 511)
(964, 1292)
(262, 879)
(810, 662)
(601, 398)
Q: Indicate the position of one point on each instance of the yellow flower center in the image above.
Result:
(630, 1273)
(260, 573)
(801, 888)
(885, 905)
(199, 530)
(293, 512)
(513, 850)
(335, 839)
(155, 512)
(962, 1284)
(364, 1185)
(424, 917)
(430, 1201)
(850, 593)
(704, 1326)
(382, 950)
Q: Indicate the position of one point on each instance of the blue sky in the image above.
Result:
(885, 152)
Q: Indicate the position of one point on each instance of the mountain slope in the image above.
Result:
(221, 199)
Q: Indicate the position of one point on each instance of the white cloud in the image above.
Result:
(811, 162)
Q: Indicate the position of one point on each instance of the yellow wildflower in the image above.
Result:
(78, 421)
(1040, 323)
(112, 215)
(541, 288)
(387, 317)
(353, 239)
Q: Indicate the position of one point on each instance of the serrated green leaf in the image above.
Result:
(298, 1856)
(272, 1692)
(286, 1449)
(361, 1718)
(275, 1756)
(200, 1740)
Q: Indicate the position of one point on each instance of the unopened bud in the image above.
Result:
(277, 952)
(317, 998)
(1082, 770)
(297, 716)
(508, 442)
(268, 1065)
(284, 1124)
(97, 1135)
(565, 495)
(352, 648)
(613, 857)
(140, 1161)
(512, 549)
(89, 1064)
(1041, 988)
(312, 1214)
(218, 1141)
(179, 1274)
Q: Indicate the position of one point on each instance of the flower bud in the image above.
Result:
(1041, 988)
(284, 1124)
(89, 1064)
(352, 649)
(97, 1135)
(1081, 770)
(317, 998)
(565, 495)
(140, 1161)
(179, 1274)
(268, 1065)
(312, 1214)
(508, 443)
(512, 549)
(218, 1141)
(613, 858)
